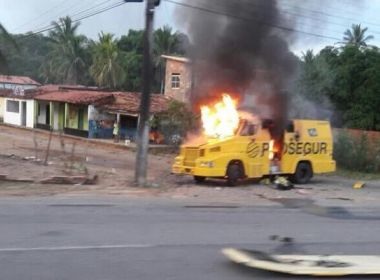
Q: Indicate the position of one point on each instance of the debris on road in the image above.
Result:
(358, 185)
(283, 184)
(311, 265)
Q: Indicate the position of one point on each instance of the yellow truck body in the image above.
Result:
(306, 148)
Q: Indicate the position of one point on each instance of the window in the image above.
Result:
(13, 106)
(249, 130)
(176, 80)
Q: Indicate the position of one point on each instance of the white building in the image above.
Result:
(14, 86)
(19, 111)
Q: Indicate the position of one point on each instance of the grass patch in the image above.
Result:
(357, 175)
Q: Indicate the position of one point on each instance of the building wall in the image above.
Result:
(72, 117)
(56, 116)
(14, 86)
(15, 118)
(30, 113)
(41, 117)
(2, 108)
(182, 93)
(12, 117)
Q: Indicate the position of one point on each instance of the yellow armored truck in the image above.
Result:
(304, 148)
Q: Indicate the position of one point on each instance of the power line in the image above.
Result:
(40, 15)
(332, 15)
(77, 13)
(42, 23)
(93, 7)
(81, 18)
(310, 17)
(294, 14)
(284, 28)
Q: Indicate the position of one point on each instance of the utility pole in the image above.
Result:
(143, 125)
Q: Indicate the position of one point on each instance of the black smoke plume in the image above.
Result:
(240, 47)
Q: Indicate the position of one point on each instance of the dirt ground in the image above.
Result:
(23, 153)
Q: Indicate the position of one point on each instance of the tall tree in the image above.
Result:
(28, 58)
(308, 56)
(65, 62)
(165, 42)
(106, 69)
(8, 39)
(131, 46)
(132, 42)
(356, 36)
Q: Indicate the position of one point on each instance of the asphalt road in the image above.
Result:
(119, 238)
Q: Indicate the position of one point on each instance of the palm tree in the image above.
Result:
(308, 56)
(356, 36)
(106, 69)
(165, 42)
(65, 62)
(8, 38)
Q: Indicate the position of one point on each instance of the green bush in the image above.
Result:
(175, 122)
(357, 153)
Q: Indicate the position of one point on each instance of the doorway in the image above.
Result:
(23, 113)
(47, 117)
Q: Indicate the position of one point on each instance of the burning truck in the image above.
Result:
(237, 145)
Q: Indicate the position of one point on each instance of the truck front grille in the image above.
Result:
(191, 154)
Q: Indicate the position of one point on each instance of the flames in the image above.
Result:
(221, 119)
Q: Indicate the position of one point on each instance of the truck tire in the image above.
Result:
(234, 173)
(303, 173)
(199, 179)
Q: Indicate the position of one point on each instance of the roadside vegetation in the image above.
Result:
(344, 81)
(66, 57)
(358, 153)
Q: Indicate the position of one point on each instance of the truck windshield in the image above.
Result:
(246, 128)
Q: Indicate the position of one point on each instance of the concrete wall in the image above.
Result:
(12, 117)
(41, 118)
(72, 116)
(2, 107)
(30, 113)
(184, 69)
(55, 116)
(14, 86)
(94, 114)
(16, 118)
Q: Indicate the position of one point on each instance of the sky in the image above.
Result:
(328, 18)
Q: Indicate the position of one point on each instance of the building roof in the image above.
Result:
(177, 58)
(116, 102)
(18, 80)
(129, 103)
(76, 96)
(19, 93)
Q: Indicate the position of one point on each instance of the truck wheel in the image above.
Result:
(234, 173)
(303, 173)
(199, 179)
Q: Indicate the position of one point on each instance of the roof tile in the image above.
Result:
(20, 80)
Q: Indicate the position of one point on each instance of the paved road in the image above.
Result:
(114, 238)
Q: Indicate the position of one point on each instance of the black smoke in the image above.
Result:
(241, 47)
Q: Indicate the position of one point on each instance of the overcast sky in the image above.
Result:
(330, 19)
